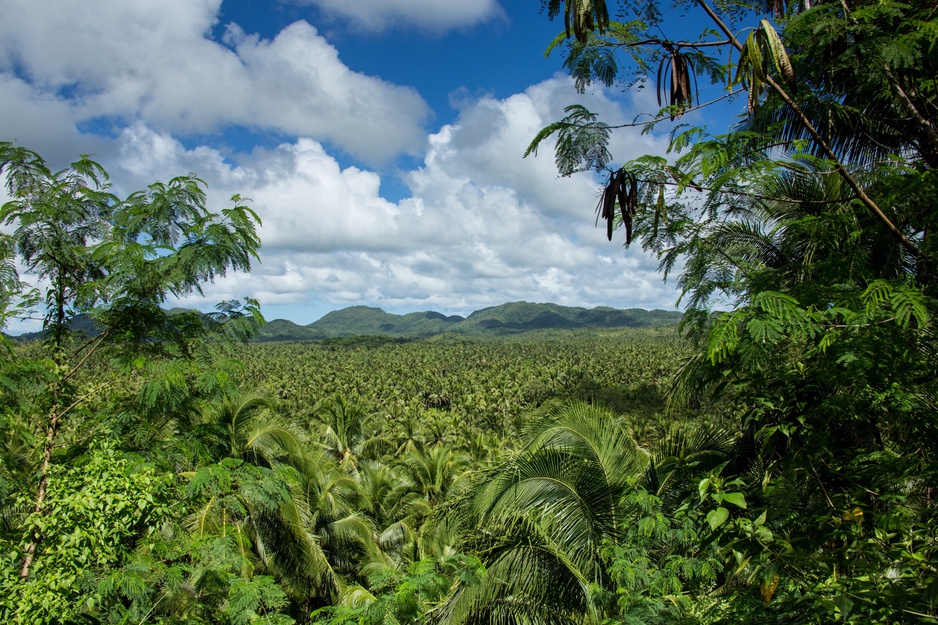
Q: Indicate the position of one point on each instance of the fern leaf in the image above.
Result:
(910, 304)
(723, 338)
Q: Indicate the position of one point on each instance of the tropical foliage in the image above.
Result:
(304, 482)
(777, 464)
(812, 218)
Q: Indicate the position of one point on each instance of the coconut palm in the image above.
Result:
(346, 430)
(255, 497)
(435, 470)
(542, 519)
(395, 506)
(247, 426)
(438, 427)
(345, 533)
(404, 432)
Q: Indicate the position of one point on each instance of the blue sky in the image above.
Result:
(380, 141)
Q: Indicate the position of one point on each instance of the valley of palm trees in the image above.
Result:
(362, 480)
(393, 446)
(548, 476)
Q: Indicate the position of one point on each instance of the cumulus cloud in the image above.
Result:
(137, 82)
(44, 124)
(481, 225)
(432, 15)
(156, 62)
(487, 142)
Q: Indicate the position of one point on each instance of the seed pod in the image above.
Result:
(607, 203)
(633, 195)
(625, 203)
(680, 84)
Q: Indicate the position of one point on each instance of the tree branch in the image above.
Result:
(667, 43)
(819, 140)
(656, 120)
(927, 127)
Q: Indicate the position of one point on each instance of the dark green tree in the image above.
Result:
(812, 218)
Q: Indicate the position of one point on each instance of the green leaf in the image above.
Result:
(737, 499)
(582, 141)
(717, 517)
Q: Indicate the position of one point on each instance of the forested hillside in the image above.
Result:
(773, 460)
(511, 318)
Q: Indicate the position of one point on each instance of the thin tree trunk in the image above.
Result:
(51, 431)
(926, 126)
(58, 412)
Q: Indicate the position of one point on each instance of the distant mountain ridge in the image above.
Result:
(510, 318)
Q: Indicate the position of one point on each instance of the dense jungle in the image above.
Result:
(770, 460)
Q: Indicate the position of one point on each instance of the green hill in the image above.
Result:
(283, 330)
(511, 318)
(358, 320)
(81, 324)
(524, 316)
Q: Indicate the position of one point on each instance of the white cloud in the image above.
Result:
(42, 123)
(156, 62)
(486, 145)
(482, 226)
(432, 15)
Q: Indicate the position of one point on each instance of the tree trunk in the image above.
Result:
(43, 487)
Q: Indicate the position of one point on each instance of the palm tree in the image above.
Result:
(344, 532)
(435, 470)
(542, 519)
(438, 427)
(346, 430)
(255, 497)
(404, 432)
(394, 504)
(247, 426)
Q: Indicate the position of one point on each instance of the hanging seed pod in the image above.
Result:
(607, 204)
(581, 17)
(633, 194)
(623, 194)
(621, 188)
(680, 84)
(762, 52)
(679, 93)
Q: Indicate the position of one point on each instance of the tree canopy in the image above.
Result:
(113, 261)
